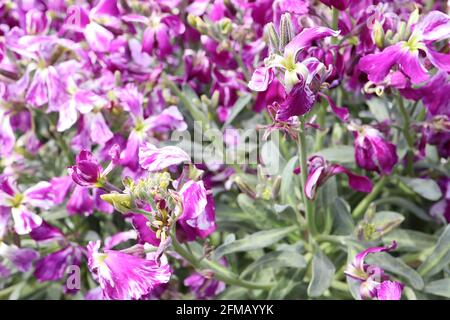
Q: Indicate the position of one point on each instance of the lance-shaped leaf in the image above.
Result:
(322, 274)
(439, 258)
(254, 241)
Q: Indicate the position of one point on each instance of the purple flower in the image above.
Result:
(373, 282)
(203, 285)
(21, 258)
(320, 171)
(433, 27)
(7, 137)
(143, 227)
(372, 151)
(40, 195)
(46, 232)
(338, 4)
(154, 159)
(123, 276)
(198, 216)
(53, 266)
(87, 170)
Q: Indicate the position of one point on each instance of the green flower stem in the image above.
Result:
(364, 204)
(303, 157)
(220, 272)
(407, 134)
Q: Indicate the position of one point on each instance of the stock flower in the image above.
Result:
(160, 28)
(21, 258)
(433, 27)
(18, 203)
(54, 266)
(198, 216)
(7, 137)
(372, 151)
(87, 170)
(320, 171)
(124, 276)
(203, 285)
(373, 282)
(154, 159)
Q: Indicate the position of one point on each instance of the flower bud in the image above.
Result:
(286, 30)
(271, 35)
(225, 26)
(121, 202)
(378, 34)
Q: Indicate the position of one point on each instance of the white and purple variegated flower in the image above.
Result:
(320, 171)
(372, 151)
(21, 258)
(198, 216)
(154, 159)
(18, 203)
(374, 284)
(302, 80)
(124, 276)
(433, 27)
(53, 266)
(7, 137)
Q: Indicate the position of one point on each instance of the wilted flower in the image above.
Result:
(372, 151)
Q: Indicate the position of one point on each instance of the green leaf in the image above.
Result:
(237, 108)
(406, 204)
(398, 267)
(322, 274)
(254, 241)
(439, 258)
(340, 154)
(378, 107)
(439, 288)
(427, 188)
(276, 260)
(285, 212)
(385, 221)
(343, 220)
(409, 240)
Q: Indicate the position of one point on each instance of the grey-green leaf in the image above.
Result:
(340, 154)
(440, 257)
(276, 260)
(322, 274)
(343, 220)
(398, 267)
(410, 240)
(254, 241)
(427, 188)
(237, 108)
(439, 288)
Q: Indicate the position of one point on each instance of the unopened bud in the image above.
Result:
(286, 30)
(225, 26)
(121, 202)
(271, 35)
(378, 34)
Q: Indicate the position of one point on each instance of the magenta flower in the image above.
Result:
(433, 27)
(198, 216)
(203, 285)
(87, 170)
(154, 159)
(124, 276)
(18, 203)
(374, 283)
(21, 258)
(372, 151)
(338, 4)
(320, 171)
(53, 266)
(160, 28)
(7, 137)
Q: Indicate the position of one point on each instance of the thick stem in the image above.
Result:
(303, 157)
(364, 204)
(407, 134)
(220, 272)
